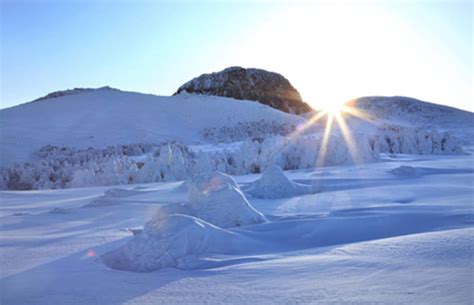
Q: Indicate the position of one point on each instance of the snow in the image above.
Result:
(367, 236)
(275, 184)
(387, 219)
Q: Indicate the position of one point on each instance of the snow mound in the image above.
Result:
(275, 184)
(170, 241)
(406, 171)
(216, 198)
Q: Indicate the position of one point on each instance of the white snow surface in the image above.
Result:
(367, 237)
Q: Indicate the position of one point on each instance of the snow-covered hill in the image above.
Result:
(106, 136)
(413, 113)
(105, 116)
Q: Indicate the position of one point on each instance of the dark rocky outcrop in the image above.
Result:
(266, 87)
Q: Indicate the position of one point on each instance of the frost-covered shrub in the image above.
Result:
(63, 167)
(246, 130)
(420, 142)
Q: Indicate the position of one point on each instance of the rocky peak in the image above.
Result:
(265, 87)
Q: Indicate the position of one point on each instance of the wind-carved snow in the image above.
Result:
(275, 184)
(178, 233)
(169, 241)
(216, 198)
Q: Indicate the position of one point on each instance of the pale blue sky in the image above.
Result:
(331, 51)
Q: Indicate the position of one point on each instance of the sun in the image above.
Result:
(334, 114)
(333, 109)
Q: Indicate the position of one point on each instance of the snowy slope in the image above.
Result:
(103, 117)
(370, 236)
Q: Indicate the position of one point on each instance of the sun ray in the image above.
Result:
(357, 113)
(323, 147)
(309, 123)
(346, 134)
(299, 131)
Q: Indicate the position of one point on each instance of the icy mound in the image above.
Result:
(275, 184)
(216, 198)
(170, 241)
(406, 171)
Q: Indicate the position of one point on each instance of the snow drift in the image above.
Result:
(275, 184)
(178, 233)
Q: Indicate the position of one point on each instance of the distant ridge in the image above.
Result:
(61, 93)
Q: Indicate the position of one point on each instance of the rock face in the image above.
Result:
(268, 88)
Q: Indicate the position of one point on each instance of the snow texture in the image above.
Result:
(406, 171)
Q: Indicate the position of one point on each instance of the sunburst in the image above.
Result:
(334, 114)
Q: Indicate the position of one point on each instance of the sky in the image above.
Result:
(331, 51)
